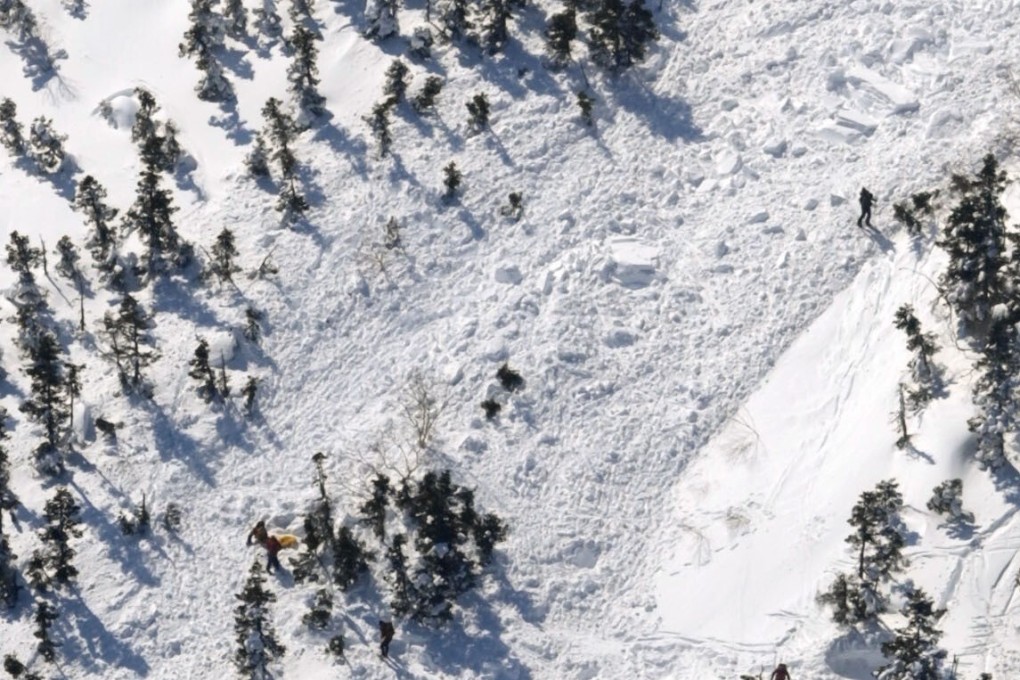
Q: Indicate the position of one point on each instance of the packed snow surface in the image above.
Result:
(705, 336)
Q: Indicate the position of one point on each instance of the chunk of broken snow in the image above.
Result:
(775, 148)
(882, 90)
(728, 163)
(510, 274)
(632, 261)
(857, 121)
(758, 217)
(123, 108)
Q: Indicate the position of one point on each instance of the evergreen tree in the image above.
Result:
(8, 499)
(560, 35)
(878, 542)
(46, 406)
(17, 669)
(425, 100)
(975, 239)
(9, 587)
(45, 615)
(320, 611)
(236, 17)
(10, 129)
(455, 17)
(350, 558)
(67, 265)
(280, 131)
(72, 390)
(373, 511)
(152, 217)
(145, 126)
(395, 88)
(22, 257)
(257, 160)
(914, 651)
(495, 18)
(945, 500)
(303, 74)
(620, 33)
(291, 204)
(130, 342)
(379, 123)
(62, 524)
(381, 19)
(46, 145)
(202, 372)
(585, 103)
(89, 200)
(257, 643)
(223, 254)
(451, 180)
(478, 110)
(301, 13)
(927, 375)
(268, 23)
(252, 324)
(249, 392)
(995, 394)
(204, 40)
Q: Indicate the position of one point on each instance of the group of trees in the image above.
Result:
(44, 148)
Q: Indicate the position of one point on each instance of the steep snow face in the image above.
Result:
(664, 261)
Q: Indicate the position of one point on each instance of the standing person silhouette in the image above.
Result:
(867, 199)
(780, 673)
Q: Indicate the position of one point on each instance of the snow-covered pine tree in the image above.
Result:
(257, 642)
(202, 372)
(927, 375)
(350, 558)
(257, 160)
(45, 405)
(46, 146)
(914, 652)
(72, 390)
(291, 204)
(253, 324)
(945, 500)
(303, 73)
(62, 524)
(425, 100)
(320, 610)
(18, 670)
(9, 587)
(455, 16)
(45, 615)
(395, 88)
(301, 11)
(975, 238)
(560, 35)
(8, 499)
(204, 40)
(130, 342)
(145, 125)
(90, 201)
(318, 526)
(452, 178)
(152, 217)
(10, 129)
(67, 265)
(585, 103)
(235, 17)
(223, 253)
(995, 392)
(381, 19)
(620, 33)
(268, 23)
(494, 22)
(280, 132)
(878, 543)
(249, 392)
(379, 124)
(478, 112)
(373, 511)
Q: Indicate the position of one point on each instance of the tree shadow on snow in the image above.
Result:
(172, 443)
(355, 150)
(671, 119)
(40, 65)
(1007, 481)
(960, 529)
(481, 651)
(855, 656)
(63, 181)
(94, 646)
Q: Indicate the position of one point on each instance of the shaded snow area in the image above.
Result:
(705, 336)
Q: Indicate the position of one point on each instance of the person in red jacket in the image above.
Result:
(272, 546)
(780, 673)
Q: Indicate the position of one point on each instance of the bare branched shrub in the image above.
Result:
(422, 408)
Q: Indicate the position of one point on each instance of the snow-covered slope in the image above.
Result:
(664, 262)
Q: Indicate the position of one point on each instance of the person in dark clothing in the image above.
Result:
(866, 201)
(272, 546)
(387, 632)
(259, 533)
(781, 673)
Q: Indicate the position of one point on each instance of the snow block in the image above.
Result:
(633, 263)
